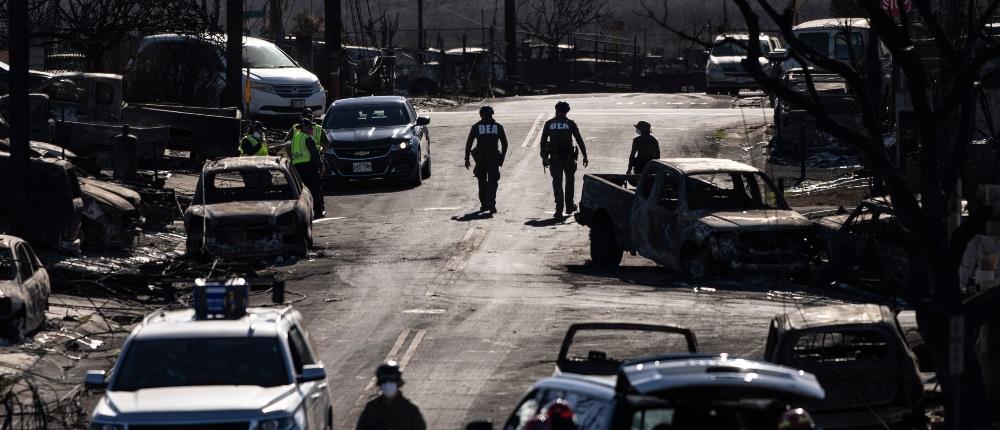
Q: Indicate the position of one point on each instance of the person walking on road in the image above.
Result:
(559, 155)
(645, 148)
(390, 410)
(486, 133)
(305, 156)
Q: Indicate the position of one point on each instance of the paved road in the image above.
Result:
(474, 310)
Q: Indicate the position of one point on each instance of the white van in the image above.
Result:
(724, 73)
(841, 39)
(279, 87)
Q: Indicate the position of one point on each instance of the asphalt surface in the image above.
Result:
(474, 308)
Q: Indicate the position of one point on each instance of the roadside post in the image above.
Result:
(18, 116)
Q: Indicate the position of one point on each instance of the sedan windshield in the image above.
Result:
(265, 57)
(8, 271)
(245, 185)
(364, 116)
(202, 361)
(729, 191)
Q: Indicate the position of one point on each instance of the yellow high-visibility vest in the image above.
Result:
(300, 153)
(263, 145)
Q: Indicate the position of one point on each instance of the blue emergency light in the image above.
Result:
(221, 299)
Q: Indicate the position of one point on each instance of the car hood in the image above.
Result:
(243, 210)
(757, 220)
(283, 76)
(109, 194)
(228, 398)
(369, 134)
(8, 289)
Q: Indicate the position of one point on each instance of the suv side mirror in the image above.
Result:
(423, 120)
(95, 380)
(777, 55)
(479, 425)
(312, 372)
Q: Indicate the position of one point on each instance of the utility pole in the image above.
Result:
(274, 16)
(420, 25)
(18, 81)
(234, 52)
(510, 37)
(331, 49)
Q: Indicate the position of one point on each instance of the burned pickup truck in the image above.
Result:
(696, 215)
(795, 129)
(249, 209)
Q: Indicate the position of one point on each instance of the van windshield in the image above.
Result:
(266, 56)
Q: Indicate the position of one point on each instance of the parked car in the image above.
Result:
(724, 73)
(625, 341)
(24, 289)
(249, 208)
(55, 203)
(696, 215)
(34, 77)
(859, 355)
(180, 370)
(377, 137)
(865, 243)
(680, 391)
(279, 87)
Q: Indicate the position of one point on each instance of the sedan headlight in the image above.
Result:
(260, 86)
(286, 423)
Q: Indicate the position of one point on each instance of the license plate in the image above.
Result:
(365, 167)
(298, 103)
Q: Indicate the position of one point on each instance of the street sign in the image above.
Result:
(250, 14)
(892, 7)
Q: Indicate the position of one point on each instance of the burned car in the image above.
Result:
(696, 215)
(111, 215)
(865, 243)
(600, 348)
(24, 289)
(859, 355)
(55, 203)
(249, 208)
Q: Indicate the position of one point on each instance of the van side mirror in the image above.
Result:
(95, 380)
(312, 372)
(480, 425)
(423, 120)
(777, 55)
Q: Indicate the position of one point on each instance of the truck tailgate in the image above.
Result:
(612, 195)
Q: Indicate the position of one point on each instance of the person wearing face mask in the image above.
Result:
(644, 148)
(390, 410)
(254, 143)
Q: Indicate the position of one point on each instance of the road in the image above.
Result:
(474, 309)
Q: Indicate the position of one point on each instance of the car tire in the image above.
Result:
(418, 176)
(605, 251)
(694, 263)
(329, 419)
(13, 330)
(425, 172)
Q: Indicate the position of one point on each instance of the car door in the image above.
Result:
(423, 136)
(654, 214)
(314, 392)
(29, 289)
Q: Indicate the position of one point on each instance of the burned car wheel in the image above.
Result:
(694, 262)
(13, 329)
(604, 248)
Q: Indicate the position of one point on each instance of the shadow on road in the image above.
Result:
(472, 216)
(349, 188)
(546, 222)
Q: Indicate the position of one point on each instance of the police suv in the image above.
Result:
(220, 365)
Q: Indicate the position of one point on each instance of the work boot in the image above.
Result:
(558, 213)
(484, 209)
(493, 210)
(571, 208)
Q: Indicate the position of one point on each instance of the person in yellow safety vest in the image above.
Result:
(318, 128)
(308, 163)
(255, 142)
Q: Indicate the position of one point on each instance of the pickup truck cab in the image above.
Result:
(695, 215)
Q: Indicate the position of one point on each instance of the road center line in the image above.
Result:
(412, 349)
(531, 131)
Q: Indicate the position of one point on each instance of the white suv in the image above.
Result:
(724, 72)
(179, 371)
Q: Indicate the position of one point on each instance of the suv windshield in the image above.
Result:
(245, 185)
(265, 56)
(202, 361)
(736, 48)
(729, 191)
(7, 267)
(364, 116)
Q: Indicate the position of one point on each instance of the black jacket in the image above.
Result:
(487, 133)
(400, 414)
(645, 147)
(558, 135)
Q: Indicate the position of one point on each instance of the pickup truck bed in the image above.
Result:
(606, 198)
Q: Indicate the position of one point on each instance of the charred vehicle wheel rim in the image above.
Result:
(695, 266)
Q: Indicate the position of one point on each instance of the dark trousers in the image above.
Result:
(488, 174)
(560, 168)
(314, 182)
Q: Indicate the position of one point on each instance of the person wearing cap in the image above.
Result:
(645, 148)
(308, 113)
(486, 133)
(559, 155)
(254, 143)
(390, 410)
(305, 155)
